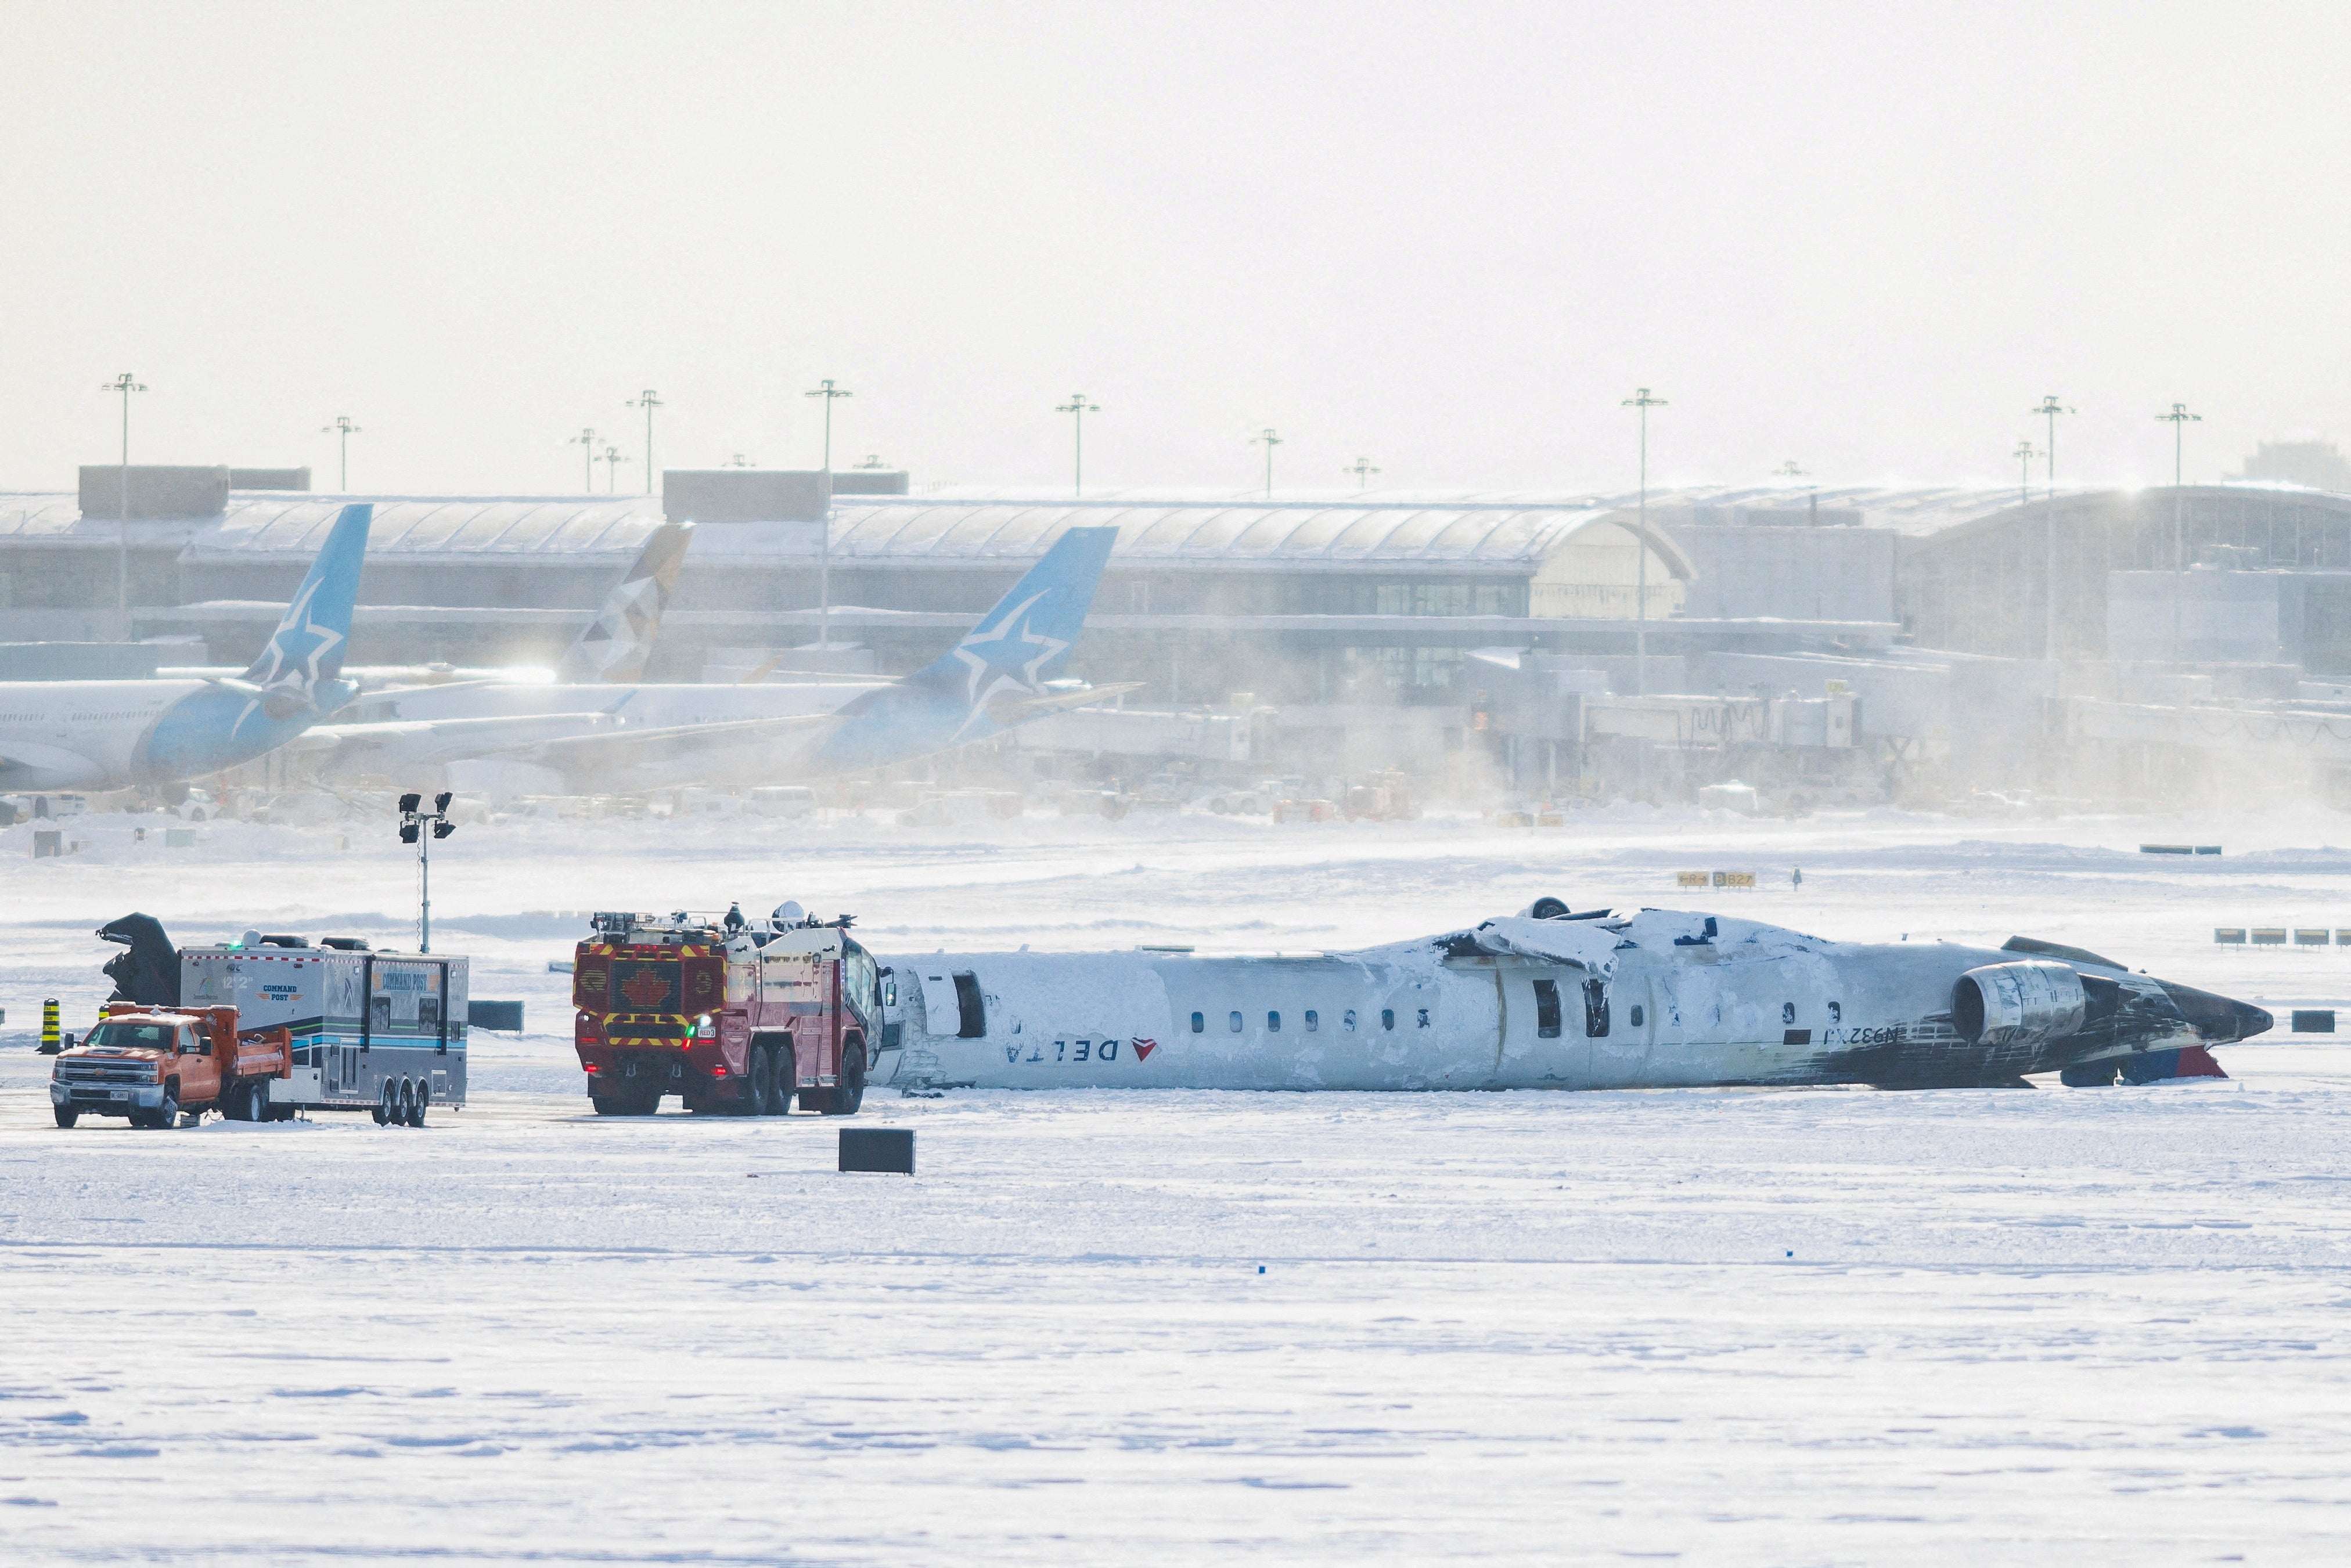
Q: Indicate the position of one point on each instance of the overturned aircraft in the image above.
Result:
(1554, 999)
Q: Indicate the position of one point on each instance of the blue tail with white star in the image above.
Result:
(993, 678)
(307, 649)
(226, 721)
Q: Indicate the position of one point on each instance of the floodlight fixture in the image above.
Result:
(413, 822)
(648, 401)
(1077, 408)
(586, 441)
(125, 383)
(830, 394)
(1642, 399)
(2179, 419)
(344, 430)
(1269, 440)
(2049, 409)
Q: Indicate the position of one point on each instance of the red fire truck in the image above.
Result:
(733, 1018)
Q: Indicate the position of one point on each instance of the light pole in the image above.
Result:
(586, 441)
(646, 399)
(1789, 470)
(2179, 419)
(412, 824)
(1269, 440)
(1642, 399)
(1362, 470)
(1077, 408)
(344, 429)
(2024, 454)
(611, 459)
(827, 391)
(126, 384)
(2052, 408)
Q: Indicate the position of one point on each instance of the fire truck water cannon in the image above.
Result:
(733, 1018)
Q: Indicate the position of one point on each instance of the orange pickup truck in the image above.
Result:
(159, 1066)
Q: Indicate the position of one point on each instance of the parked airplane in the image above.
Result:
(160, 734)
(646, 736)
(1553, 999)
(613, 647)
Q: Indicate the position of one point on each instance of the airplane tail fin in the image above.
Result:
(306, 652)
(1000, 665)
(619, 641)
(1025, 639)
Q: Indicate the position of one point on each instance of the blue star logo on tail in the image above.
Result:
(1007, 656)
(285, 668)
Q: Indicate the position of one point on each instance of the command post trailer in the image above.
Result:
(377, 1031)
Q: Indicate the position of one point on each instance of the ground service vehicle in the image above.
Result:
(156, 1065)
(732, 1018)
(377, 1031)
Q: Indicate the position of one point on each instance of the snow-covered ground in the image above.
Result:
(1840, 1326)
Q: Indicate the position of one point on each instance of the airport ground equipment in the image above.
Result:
(160, 1065)
(733, 1018)
(366, 1029)
(1559, 999)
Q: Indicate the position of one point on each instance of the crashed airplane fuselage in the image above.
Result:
(1554, 1000)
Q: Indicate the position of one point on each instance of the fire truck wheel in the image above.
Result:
(763, 1081)
(66, 1118)
(845, 1100)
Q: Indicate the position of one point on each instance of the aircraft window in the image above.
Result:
(1836, 1012)
(1387, 1018)
(1424, 1017)
(972, 1006)
(1787, 1012)
(1596, 1009)
(1199, 1023)
(1313, 1021)
(1236, 1023)
(1636, 1014)
(1273, 1023)
(1547, 1010)
(1347, 1020)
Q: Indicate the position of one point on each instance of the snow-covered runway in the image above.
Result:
(2107, 1326)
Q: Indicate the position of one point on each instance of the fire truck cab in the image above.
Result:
(733, 1018)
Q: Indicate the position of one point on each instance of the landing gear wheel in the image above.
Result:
(66, 1118)
(845, 1100)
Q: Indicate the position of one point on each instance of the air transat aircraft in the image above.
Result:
(1554, 1000)
(625, 734)
(158, 734)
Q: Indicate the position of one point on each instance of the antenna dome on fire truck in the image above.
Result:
(787, 914)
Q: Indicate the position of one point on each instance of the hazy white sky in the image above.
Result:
(1866, 237)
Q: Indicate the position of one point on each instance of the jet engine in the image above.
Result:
(2027, 1003)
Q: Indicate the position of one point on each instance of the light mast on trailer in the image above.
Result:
(413, 823)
